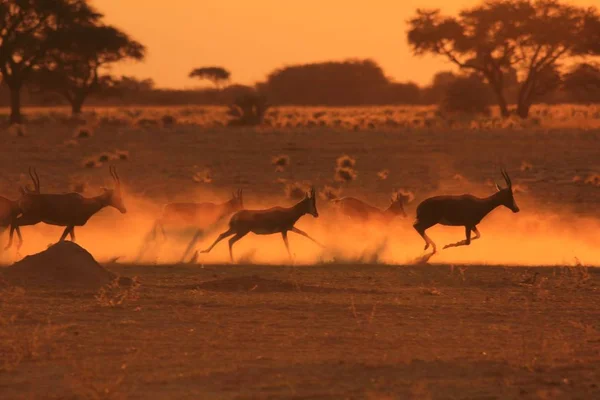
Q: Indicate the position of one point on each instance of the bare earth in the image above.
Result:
(361, 320)
(330, 331)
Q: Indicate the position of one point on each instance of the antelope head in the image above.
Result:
(397, 205)
(237, 201)
(113, 196)
(506, 194)
(310, 200)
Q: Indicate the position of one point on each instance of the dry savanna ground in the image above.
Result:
(514, 315)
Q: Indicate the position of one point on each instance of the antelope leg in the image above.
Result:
(477, 234)
(20, 238)
(72, 233)
(10, 237)
(192, 244)
(420, 228)
(234, 239)
(221, 237)
(306, 235)
(465, 242)
(65, 233)
(287, 245)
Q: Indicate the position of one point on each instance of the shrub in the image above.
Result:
(248, 110)
(468, 95)
(281, 162)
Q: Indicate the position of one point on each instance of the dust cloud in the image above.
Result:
(532, 237)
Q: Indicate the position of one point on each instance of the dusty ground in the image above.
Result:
(341, 324)
(329, 331)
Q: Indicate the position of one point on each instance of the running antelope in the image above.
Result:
(10, 210)
(70, 209)
(360, 211)
(465, 210)
(197, 214)
(270, 221)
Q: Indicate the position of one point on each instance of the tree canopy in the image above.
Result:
(80, 52)
(27, 29)
(531, 37)
(217, 75)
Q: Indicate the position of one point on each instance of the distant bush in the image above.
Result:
(248, 110)
(468, 95)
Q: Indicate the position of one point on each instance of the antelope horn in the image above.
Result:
(113, 172)
(506, 178)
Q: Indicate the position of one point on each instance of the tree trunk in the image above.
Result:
(501, 101)
(76, 107)
(523, 109)
(77, 101)
(15, 104)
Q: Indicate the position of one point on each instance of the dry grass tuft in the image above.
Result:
(345, 175)
(83, 132)
(383, 174)
(296, 190)
(345, 161)
(525, 166)
(118, 292)
(281, 162)
(330, 193)
(204, 176)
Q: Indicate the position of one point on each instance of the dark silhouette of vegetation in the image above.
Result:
(466, 94)
(582, 84)
(217, 75)
(352, 82)
(248, 109)
(74, 64)
(532, 37)
(27, 35)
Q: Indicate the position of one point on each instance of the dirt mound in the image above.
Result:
(64, 265)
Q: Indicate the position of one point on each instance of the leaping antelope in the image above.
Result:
(10, 210)
(70, 209)
(465, 210)
(360, 211)
(270, 221)
(199, 215)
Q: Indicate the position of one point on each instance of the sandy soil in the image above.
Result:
(328, 331)
(356, 320)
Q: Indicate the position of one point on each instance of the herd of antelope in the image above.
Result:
(71, 209)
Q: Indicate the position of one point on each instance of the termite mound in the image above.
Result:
(64, 265)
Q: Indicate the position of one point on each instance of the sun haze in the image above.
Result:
(253, 38)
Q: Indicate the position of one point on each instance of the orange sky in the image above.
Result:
(253, 37)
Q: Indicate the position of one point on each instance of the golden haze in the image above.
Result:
(251, 38)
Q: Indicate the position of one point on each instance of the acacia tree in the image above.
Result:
(531, 37)
(26, 28)
(74, 65)
(217, 75)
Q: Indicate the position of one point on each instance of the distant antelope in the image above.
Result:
(361, 211)
(465, 210)
(270, 221)
(197, 214)
(10, 210)
(70, 209)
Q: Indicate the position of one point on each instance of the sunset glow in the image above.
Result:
(253, 38)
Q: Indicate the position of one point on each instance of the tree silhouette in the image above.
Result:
(582, 83)
(529, 36)
(217, 75)
(26, 29)
(351, 82)
(75, 63)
